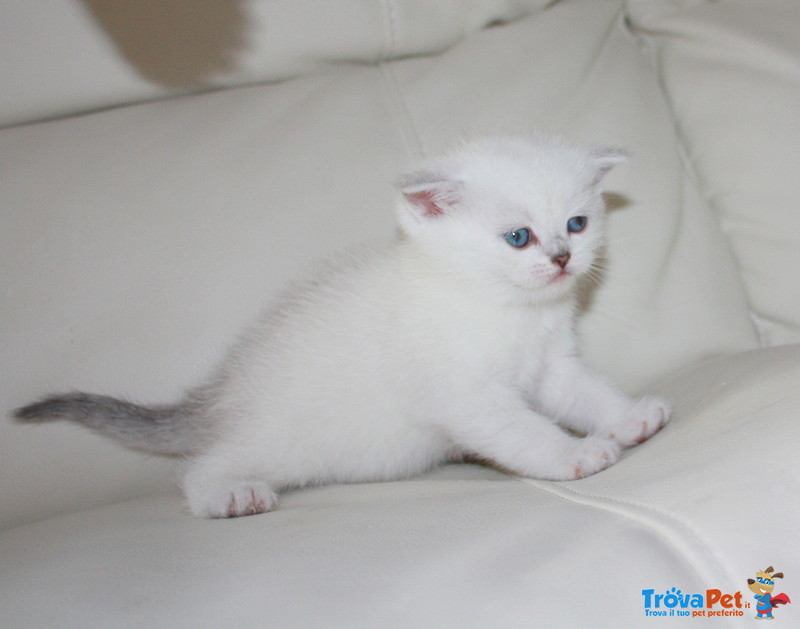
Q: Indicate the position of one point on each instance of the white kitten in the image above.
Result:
(457, 337)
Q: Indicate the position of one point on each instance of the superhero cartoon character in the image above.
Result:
(762, 586)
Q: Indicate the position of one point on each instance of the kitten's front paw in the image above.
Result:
(591, 455)
(645, 418)
(245, 499)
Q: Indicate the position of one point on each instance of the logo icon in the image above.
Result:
(762, 586)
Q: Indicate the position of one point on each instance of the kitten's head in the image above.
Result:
(525, 214)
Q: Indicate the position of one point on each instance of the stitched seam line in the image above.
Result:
(676, 532)
(414, 147)
(390, 41)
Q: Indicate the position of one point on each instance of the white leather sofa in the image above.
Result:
(166, 167)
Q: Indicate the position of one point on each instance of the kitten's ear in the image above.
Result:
(604, 159)
(429, 193)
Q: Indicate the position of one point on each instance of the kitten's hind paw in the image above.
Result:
(244, 499)
(250, 499)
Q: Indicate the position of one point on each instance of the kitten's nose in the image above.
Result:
(561, 259)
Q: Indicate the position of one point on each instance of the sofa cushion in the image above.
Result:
(670, 292)
(731, 72)
(461, 546)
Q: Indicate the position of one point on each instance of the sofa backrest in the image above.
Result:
(731, 74)
(59, 57)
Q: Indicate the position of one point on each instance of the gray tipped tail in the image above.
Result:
(169, 430)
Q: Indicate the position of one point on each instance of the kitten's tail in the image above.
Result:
(169, 430)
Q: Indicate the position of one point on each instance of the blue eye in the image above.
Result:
(577, 224)
(518, 238)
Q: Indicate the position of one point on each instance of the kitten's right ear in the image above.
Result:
(429, 193)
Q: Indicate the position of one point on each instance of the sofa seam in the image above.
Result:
(408, 127)
(663, 523)
(391, 32)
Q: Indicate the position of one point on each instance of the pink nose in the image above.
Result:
(562, 259)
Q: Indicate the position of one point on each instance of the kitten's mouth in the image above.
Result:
(561, 276)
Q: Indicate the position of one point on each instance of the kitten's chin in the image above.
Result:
(557, 289)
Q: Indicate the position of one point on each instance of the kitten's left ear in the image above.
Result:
(604, 159)
(430, 193)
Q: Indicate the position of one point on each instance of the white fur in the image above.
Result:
(444, 341)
